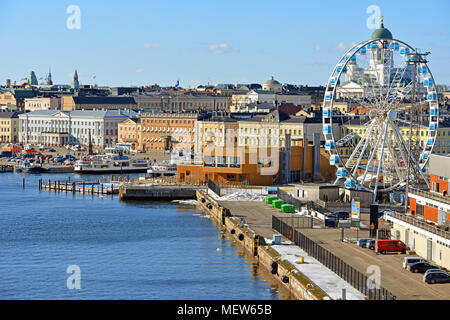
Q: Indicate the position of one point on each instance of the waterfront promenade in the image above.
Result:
(402, 283)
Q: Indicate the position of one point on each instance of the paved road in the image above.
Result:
(402, 283)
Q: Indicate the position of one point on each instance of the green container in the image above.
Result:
(277, 203)
(269, 199)
(287, 208)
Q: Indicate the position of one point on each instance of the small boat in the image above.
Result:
(113, 161)
(28, 167)
(165, 169)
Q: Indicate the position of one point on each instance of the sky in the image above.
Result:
(137, 43)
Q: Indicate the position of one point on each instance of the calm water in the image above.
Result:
(125, 250)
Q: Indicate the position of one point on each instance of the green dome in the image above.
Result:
(272, 81)
(382, 33)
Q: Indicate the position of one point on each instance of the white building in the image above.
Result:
(242, 101)
(54, 127)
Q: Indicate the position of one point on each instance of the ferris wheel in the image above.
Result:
(390, 122)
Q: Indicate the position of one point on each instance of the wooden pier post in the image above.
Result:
(23, 183)
(40, 184)
(66, 186)
(102, 188)
(92, 189)
(83, 187)
(69, 179)
(73, 187)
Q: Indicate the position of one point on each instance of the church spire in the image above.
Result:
(49, 77)
(75, 83)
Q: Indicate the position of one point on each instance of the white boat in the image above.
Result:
(164, 169)
(111, 162)
(28, 167)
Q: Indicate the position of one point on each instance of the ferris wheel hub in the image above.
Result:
(392, 115)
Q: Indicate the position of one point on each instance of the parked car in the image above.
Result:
(363, 242)
(421, 267)
(70, 157)
(431, 271)
(330, 221)
(437, 277)
(411, 260)
(385, 246)
(59, 159)
(51, 150)
(341, 214)
(371, 244)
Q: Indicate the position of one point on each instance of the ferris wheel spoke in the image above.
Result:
(374, 150)
(394, 161)
(380, 161)
(360, 143)
(361, 155)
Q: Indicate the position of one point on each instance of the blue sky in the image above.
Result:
(146, 42)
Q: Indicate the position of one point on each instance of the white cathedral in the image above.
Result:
(378, 72)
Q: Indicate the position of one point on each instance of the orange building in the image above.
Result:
(253, 166)
(168, 131)
(433, 205)
(129, 131)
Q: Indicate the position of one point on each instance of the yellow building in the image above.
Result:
(7, 99)
(419, 135)
(9, 127)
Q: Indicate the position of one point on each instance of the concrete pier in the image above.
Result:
(158, 192)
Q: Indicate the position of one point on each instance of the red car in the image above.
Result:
(384, 246)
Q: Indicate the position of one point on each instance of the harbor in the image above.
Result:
(155, 245)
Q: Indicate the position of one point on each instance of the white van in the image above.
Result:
(412, 260)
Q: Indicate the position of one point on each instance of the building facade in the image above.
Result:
(70, 103)
(168, 131)
(57, 128)
(130, 132)
(42, 103)
(9, 127)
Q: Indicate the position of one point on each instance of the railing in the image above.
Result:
(431, 195)
(293, 221)
(420, 224)
(355, 278)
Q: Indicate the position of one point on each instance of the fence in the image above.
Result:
(355, 278)
(420, 224)
(292, 221)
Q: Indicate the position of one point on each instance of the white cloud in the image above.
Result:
(151, 45)
(140, 70)
(195, 83)
(341, 46)
(222, 48)
(318, 47)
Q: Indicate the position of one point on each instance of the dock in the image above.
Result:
(94, 187)
(6, 168)
(158, 192)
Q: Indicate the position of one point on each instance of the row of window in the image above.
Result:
(167, 121)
